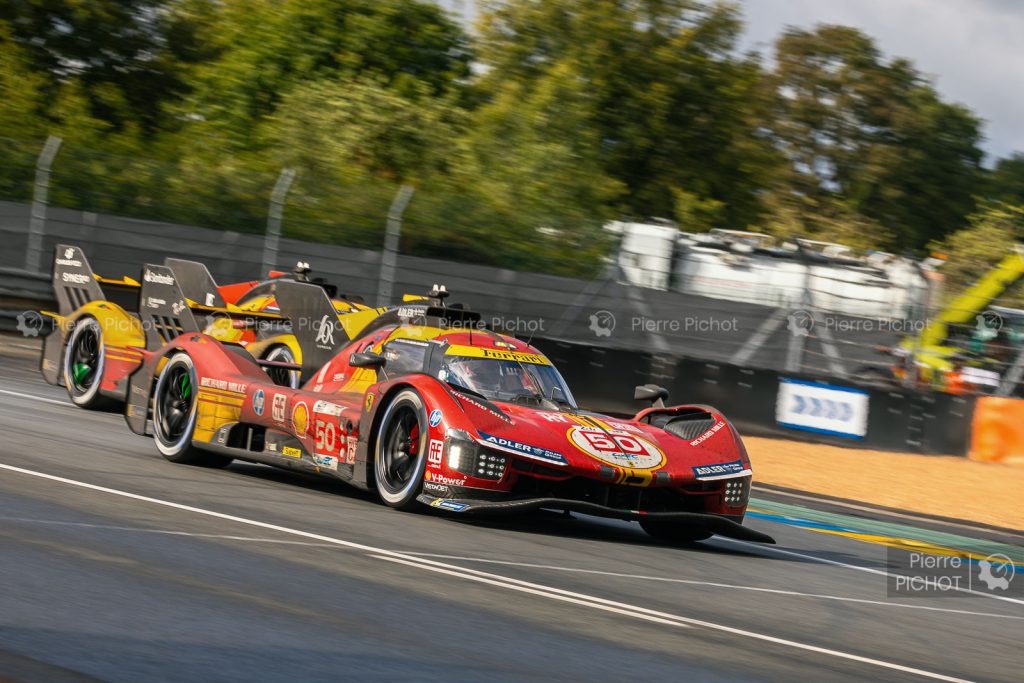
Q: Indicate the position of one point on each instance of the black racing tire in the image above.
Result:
(84, 361)
(175, 410)
(400, 451)
(673, 531)
(279, 376)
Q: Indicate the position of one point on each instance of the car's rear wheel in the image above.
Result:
(175, 410)
(401, 450)
(282, 376)
(84, 360)
(672, 531)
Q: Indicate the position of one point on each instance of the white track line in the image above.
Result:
(861, 568)
(498, 580)
(575, 570)
(712, 584)
(37, 398)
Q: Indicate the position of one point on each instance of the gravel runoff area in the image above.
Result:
(948, 486)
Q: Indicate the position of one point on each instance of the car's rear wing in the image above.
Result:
(196, 282)
(74, 286)
(314, 322)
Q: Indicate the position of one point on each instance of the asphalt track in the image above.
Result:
(116, 565)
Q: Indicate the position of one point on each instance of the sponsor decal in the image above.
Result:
(434, 451)
(496, 354)
(708, 434)
(278, 407)
(721, 471)
(257, 402)
(272, 447)
(407, 312)
(300, 417)
(369, 401)
(292, 452)
(177, 307)
(326, 461)
(822, 408)
(326, 434)
(435, 417)
(69, 259)
(436, 488)
(338, 377)
(624, 426)
(535, 452)
(325, 333)
(158, 278)
(350, 451)
(77, 278)
(153, 302)
(486, 408)
(441, 479)
(618, 448)
(558, 418)
(446, 504)
(328, 408)
(223, 385)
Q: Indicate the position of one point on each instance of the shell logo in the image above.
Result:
(300, 417)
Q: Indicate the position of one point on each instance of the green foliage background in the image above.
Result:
(521, 137)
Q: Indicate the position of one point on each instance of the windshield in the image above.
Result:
(506, 380)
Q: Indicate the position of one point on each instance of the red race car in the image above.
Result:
(430, 409)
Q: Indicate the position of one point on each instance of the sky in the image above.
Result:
(972, 49)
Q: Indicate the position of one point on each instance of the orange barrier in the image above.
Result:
(997, 432)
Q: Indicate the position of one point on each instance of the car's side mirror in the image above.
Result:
(653, 393)
(367, 359)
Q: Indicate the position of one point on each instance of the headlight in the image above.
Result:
(463, 454)
(736, 491)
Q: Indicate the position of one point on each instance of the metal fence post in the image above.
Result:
(40, 196)
(274, 216)
(389, 256)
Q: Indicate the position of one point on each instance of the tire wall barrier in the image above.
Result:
(930, 423)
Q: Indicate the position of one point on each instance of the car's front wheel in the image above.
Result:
(175, 410)
(673, 531)
(401, 450)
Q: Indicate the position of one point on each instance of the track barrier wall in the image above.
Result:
(928, 423)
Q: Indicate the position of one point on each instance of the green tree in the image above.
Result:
(990, 235)
(992, 232)
(1006, 181)
(526, 185)
(673, 105)
(873, 134)
(267, 48)
(127, 55)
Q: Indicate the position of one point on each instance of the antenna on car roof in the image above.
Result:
(437, 295)
(302, 271)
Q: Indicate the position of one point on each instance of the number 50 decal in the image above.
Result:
(326, 437)
(621, 449)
